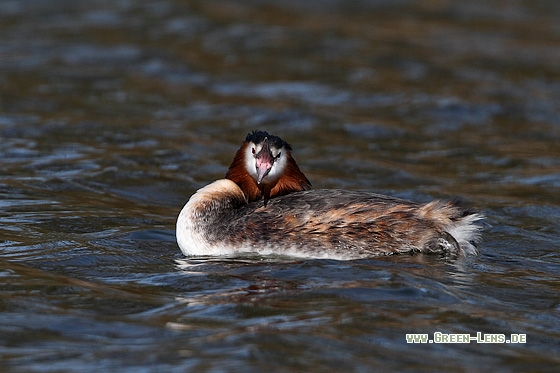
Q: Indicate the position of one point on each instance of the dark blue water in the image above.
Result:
(113, 113)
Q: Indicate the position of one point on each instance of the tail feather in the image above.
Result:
(466, 232)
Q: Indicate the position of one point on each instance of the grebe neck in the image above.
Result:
(202, 220)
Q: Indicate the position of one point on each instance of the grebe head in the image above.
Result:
(263, 167)
(266, 156)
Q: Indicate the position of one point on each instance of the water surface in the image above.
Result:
(113, 113)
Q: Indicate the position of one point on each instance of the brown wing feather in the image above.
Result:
(340, 222)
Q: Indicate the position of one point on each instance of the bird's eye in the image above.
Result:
(253, 150)
(279, 154)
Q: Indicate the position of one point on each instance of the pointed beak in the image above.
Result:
(264, 161)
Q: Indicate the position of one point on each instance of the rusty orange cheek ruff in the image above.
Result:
(264, 168)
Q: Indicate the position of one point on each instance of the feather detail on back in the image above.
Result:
(325, 223)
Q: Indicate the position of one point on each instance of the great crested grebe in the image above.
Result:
(265, 206)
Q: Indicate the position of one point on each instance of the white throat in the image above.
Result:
(278, 167)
